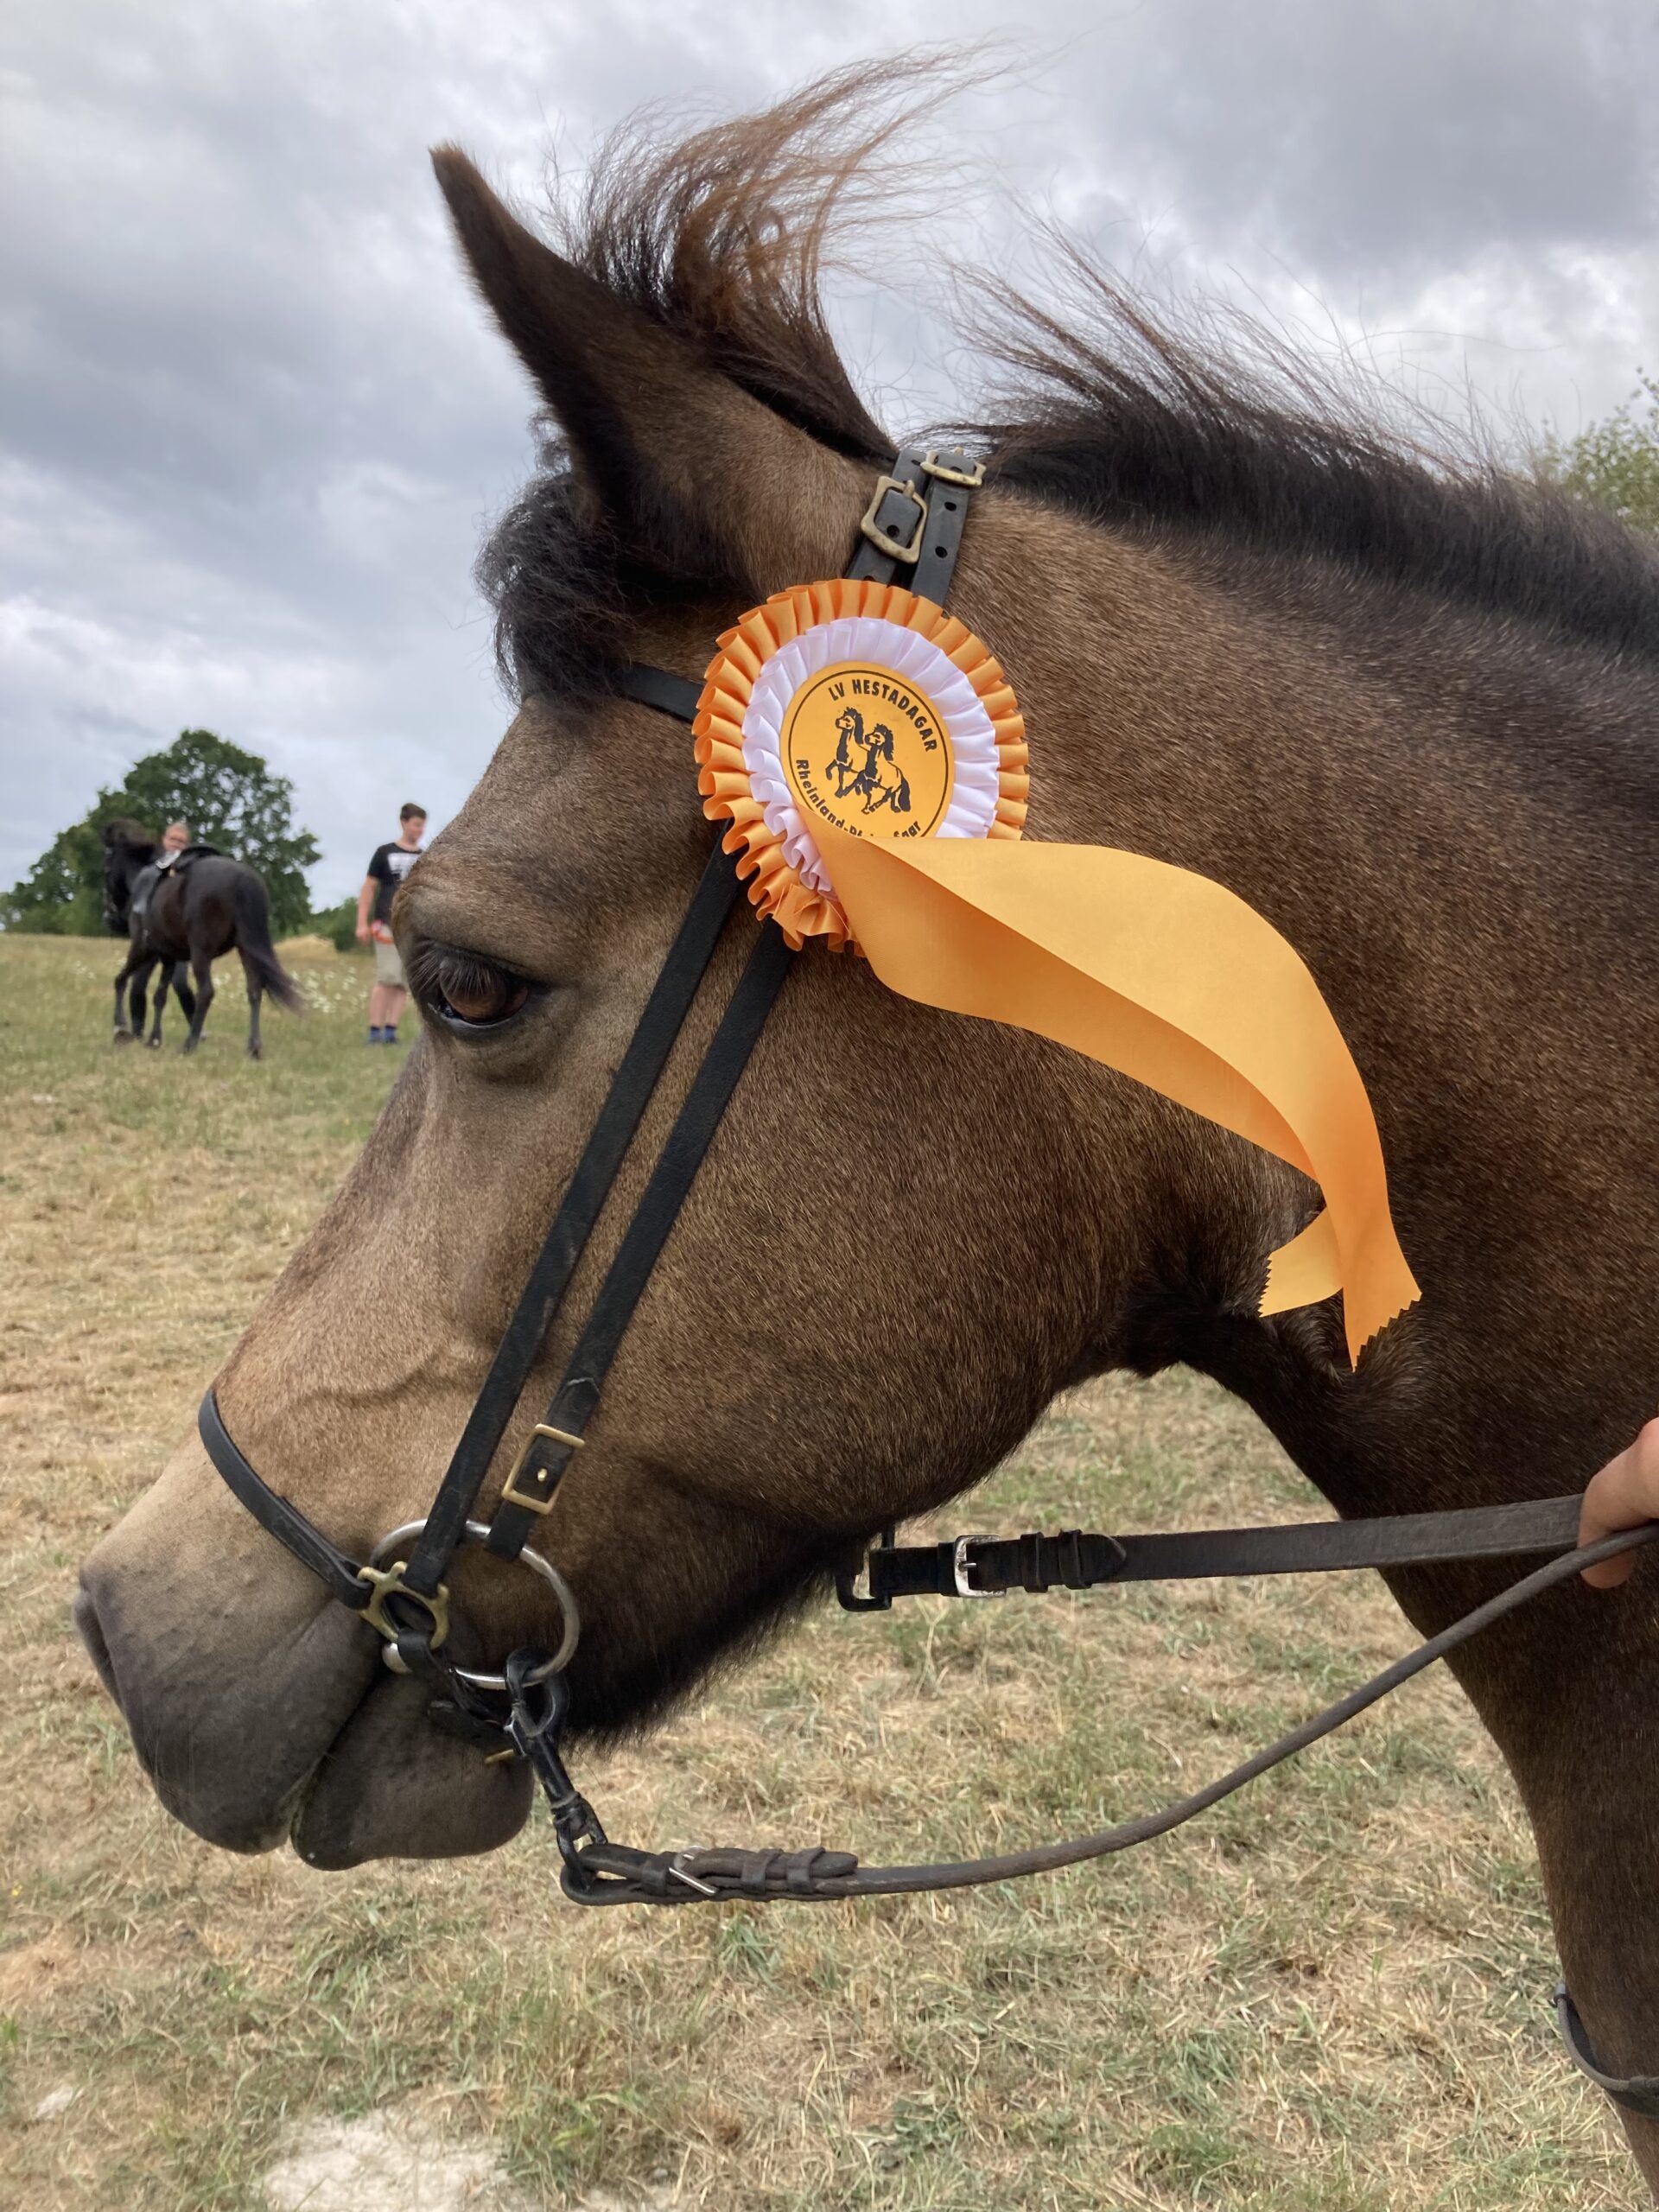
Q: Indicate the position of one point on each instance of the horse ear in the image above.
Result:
(698, 479)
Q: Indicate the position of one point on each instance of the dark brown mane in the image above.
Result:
(724, 236)
(1126, 423)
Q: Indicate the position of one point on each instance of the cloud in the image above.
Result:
(1392, 141)
(254, 422)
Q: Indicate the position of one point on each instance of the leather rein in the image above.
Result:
(914, 524)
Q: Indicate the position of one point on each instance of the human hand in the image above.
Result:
(1625, 1493)
(363, 933)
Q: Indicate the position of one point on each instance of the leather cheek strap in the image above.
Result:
(558, 1435)
(670, 1000)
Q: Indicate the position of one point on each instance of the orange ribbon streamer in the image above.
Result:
(1166, 976)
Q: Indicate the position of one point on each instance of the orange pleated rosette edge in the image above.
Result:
(723, 777)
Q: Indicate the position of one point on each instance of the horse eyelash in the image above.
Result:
(426, 970)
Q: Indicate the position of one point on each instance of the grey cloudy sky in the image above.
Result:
(252, 424)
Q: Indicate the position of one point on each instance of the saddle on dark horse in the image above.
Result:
(148, 879)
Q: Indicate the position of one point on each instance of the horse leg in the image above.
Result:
(122, 1033)
(182, 992)
(1570, 1696)
(154, 1039)
(201, 967)
(136, 997)
(255, 991)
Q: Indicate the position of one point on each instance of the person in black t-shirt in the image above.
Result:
(387, 869)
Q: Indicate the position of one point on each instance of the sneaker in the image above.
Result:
(376, 1035)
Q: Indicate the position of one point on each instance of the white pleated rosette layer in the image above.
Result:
(918, 661)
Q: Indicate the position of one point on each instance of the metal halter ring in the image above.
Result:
(387, 1581)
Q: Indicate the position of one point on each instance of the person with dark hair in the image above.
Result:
(387, 868)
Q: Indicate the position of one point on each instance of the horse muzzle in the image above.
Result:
(258, 1708)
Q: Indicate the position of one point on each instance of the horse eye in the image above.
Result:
(475, 992)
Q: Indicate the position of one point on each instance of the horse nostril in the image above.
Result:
(91, 1635)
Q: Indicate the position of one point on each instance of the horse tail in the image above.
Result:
(251, 906)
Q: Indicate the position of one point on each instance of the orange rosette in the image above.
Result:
(851, 729)
(858, 706)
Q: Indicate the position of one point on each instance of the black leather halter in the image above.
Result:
(913, 523)
(913, 527)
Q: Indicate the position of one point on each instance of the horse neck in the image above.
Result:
(1373, 776)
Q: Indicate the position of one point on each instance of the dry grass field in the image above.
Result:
(1329, 1996)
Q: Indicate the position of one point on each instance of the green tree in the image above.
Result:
(62, 895)
(229, 798)
(1614, 462)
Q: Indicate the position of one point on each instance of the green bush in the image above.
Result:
(339, 924)
(1614, 463)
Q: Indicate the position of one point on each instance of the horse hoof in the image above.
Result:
(254, 1053)
(123, 1037)
(154, 1043)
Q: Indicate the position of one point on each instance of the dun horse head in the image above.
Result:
(1405, 711)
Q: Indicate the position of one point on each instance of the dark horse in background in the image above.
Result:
(192, 913)
(128, 875)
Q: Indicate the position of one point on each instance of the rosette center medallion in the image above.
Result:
(865, 751)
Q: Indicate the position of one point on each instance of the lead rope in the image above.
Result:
(598, 1872)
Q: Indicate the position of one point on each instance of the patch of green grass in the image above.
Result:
(1195, 2158)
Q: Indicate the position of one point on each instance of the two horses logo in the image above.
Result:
(868, 751)
(863, 766)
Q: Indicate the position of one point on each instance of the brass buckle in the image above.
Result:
(969, 478)
(879, 539)
(384, 1581)
(511, 1495)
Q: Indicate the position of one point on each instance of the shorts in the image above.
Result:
(388, 967)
